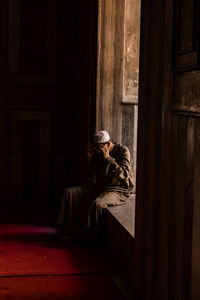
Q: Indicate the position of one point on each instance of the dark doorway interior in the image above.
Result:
(47, 90)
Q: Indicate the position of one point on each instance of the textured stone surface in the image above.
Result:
(131, 51)
(125, 214)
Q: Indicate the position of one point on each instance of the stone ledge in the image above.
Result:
(125, 214)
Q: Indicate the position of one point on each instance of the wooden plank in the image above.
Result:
(195, 264)
(173, 162)
(17, 156)
(188, 210)
(186, 92)
(21, 69)
(177, 207)
(186, 35)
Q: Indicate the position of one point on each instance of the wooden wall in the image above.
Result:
(166, 254)
(28, 93)
(46, 85)
(185, 198)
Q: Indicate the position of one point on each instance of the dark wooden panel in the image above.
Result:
(187, 92)
(32, 29)
(189, 204)
(186, 13)
(195, 268)
(182, 205)
(32, 36)
(186, 34)
(179, 142)
(30, 159)
(30, 155)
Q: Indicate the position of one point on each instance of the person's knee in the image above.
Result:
(100, 202)
(72, 191)
(107, 199)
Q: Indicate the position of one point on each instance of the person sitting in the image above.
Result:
(110, 182)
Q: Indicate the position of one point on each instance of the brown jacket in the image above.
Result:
(115, 172)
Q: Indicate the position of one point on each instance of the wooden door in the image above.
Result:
(46, 56)
(185, 176)
(28, 83)
(167, 244)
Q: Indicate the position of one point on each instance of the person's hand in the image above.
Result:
(104, 152)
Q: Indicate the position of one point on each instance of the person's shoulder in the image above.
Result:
(122, 148)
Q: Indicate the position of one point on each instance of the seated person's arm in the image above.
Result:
(120, 169)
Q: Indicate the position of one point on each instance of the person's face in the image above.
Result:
(99, 146)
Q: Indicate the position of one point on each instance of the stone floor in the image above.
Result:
(125, 214)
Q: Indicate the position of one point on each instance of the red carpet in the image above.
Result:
(36, 264)
(35, 250)
(98, 287)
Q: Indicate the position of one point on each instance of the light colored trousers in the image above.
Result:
(81, 207)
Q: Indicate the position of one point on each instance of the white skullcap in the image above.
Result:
(101, 136)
